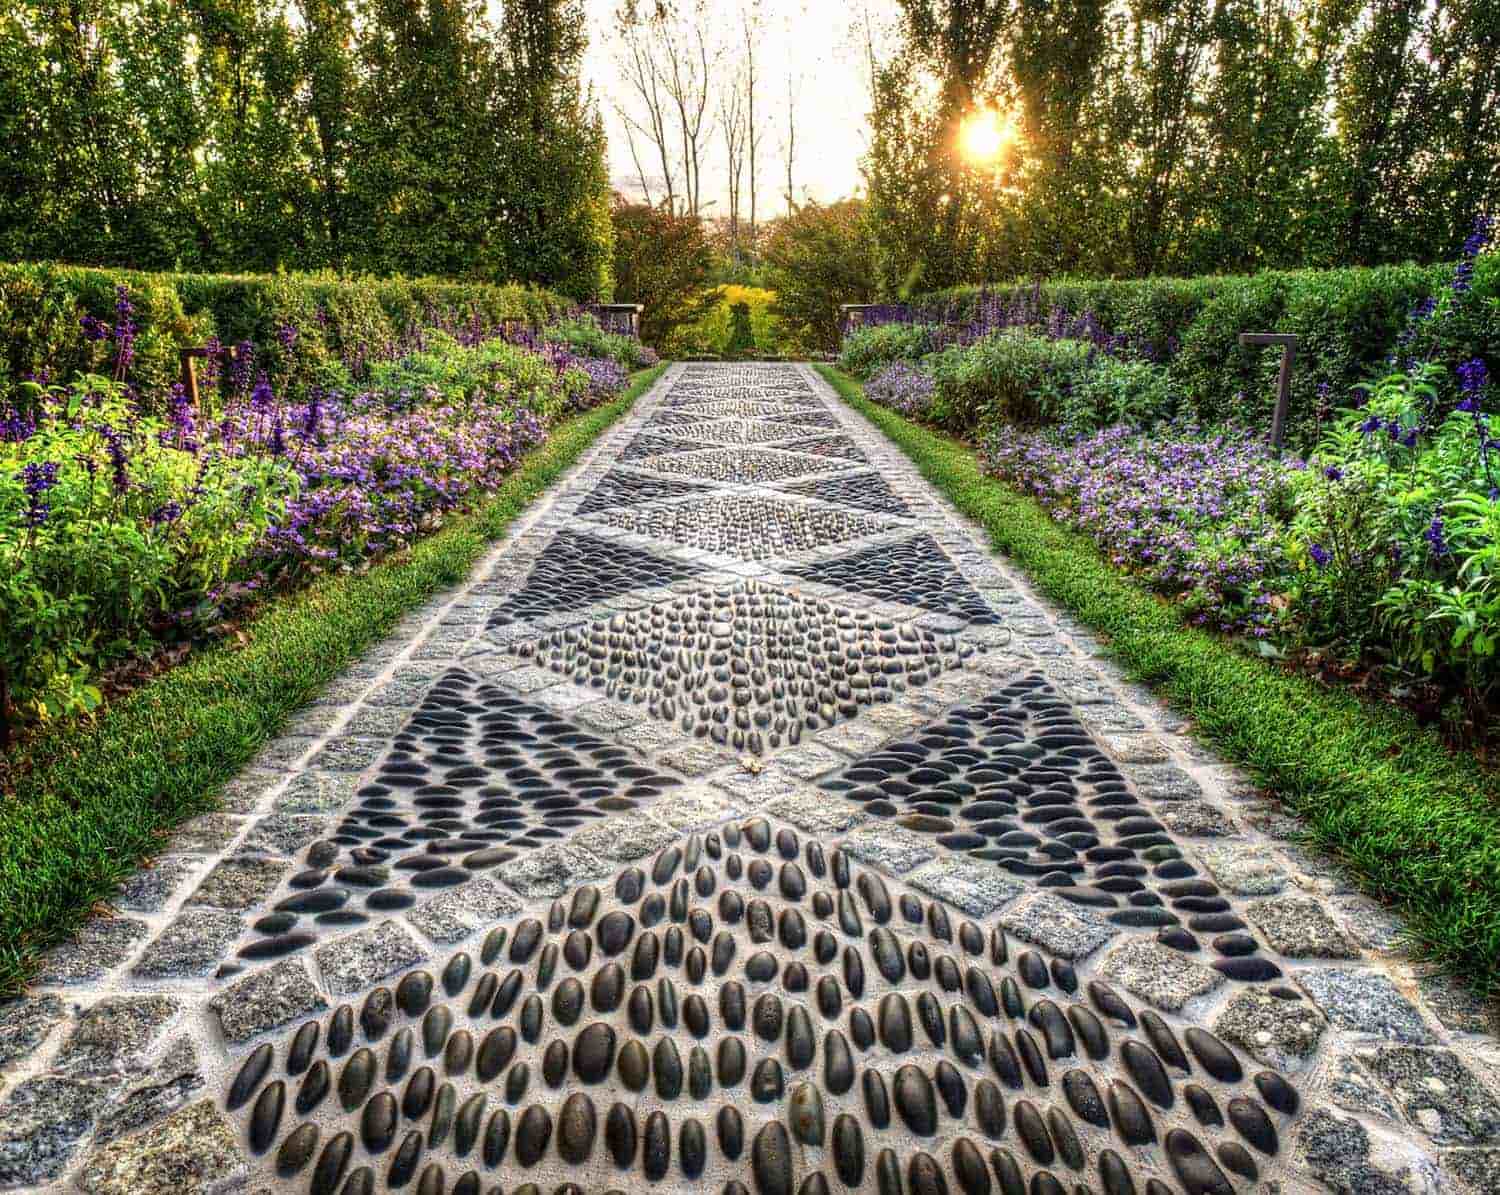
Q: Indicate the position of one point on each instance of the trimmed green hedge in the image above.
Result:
(1349, 320)
(335, 319)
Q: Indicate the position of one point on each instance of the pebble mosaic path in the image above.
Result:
(743, 826)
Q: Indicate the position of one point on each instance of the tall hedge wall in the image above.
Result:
(332, 318)
(1350, 322)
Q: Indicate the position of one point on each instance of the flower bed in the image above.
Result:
(1377, 560)
(1200, 516)
(124, 532)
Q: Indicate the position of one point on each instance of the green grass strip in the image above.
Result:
(1417, 824)
(93, 801)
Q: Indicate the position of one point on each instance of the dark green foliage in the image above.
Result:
(1349, 320)
(1010, 377)
(816, 259)
(741, 339)
(387, 136)
(1182, 137)
(41, 306)
(1415, 822)
(664, 262)
(86, 806)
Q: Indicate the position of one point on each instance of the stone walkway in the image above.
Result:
(743, 826)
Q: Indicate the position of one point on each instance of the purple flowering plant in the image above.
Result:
(127, 522)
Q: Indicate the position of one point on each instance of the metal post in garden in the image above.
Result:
(1288, 344)
(189, 358)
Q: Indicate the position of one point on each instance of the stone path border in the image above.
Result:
(743, 711)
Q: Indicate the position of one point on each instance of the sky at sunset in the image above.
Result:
(819, 45)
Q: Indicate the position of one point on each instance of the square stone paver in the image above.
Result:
(240, 883)
(26, 1024)
(101, 944)
(1057, 925)
(552, 870)
(1365, 1001)
(625, 837)
(1300, 927)
(194, 1149)
(267, 999)
(150, 889)
(816, 812)
(1438, 1094)
(975, 886)
(1167, 978)
(194, 944)
(111, 1036)
(696, 809)
(354, 962)
(890, 846)
(460, 911)
(41, 1123)
(1240, 871)
(1279, 1032)
(694, 758)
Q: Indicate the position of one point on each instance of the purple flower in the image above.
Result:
(119, 459)
(37, 479)
(1333, 473)
(1436, 542)
(15, 426)
(1321, 556)
(167, 512)
(1479, 237)
(286, 336)
(1473, 376)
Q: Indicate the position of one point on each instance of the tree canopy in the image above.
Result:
(1182, 136)
(413, 136)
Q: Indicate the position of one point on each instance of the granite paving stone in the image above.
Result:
(1061, 927)
(170, 1084)
(1280, 1032)
(100, 945)
(267, 999)
(1366, 1002)
(354, 962)
(240, 882)
(888, 846)
(1301, 927)
(41, 1123)
(208, 834)
(1239, 871)
(193, 944)
(111, 1036)
(458, 912)
(1165, 977)
(150, 889)
(966, 884)
(1439, 1094)
(25, 1023)
(193, 1150)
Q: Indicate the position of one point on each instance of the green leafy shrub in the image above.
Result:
(1010, 377)
(866, 351)
(107, 530)
(1113, 391)
(306, 328)
(583, 335)
(1349, 322)
(716, 330)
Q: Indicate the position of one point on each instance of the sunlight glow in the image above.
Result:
(984, 136)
